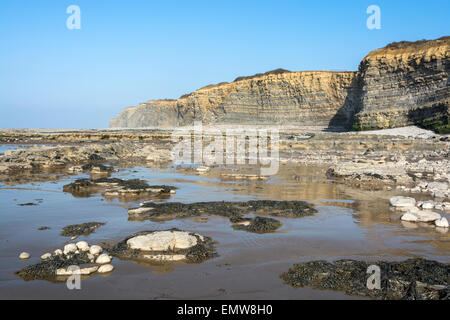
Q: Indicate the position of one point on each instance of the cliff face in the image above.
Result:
(404, 83)
(300, 98)
(155, 113)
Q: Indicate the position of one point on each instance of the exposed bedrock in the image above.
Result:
(404, 83)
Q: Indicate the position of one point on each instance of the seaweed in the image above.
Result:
(416, 279)
(259, 225)
(85, 187)
(234, 211)
(46, 270)
(85, 229)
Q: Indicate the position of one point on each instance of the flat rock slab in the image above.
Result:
(163, 241)
(163, 246)
(401, 202)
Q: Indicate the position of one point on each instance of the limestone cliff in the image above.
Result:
(401, 84)
(155, 113)
(405, 83)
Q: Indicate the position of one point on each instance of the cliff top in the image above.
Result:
(409, 47)
(262, 75)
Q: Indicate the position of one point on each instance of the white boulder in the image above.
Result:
(141, 210)
(427, 216)
(402, 202)
(103, 259)
(409, 217)
(83, 246)
(427, 205)
(24, 255)
(70, 248)
(95, 250)
(58, 252)
(441, 223)
(105, 268)
(46, 256)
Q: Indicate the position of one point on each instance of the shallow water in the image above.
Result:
(351, 223)
(4, 147)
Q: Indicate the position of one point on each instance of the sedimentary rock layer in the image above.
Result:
(405, 83)
(401, 84)
(300, 98)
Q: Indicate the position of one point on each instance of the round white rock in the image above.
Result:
(441, 223)
(24, 255)
(402, 202)
(82, 246)
(105, 268)
(103, 259)
(69, 248)
(95, 250)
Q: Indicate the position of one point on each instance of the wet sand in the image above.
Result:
(351, 223)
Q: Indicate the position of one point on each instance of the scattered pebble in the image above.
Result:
(105, 268)
(24, 255)
(95, 250)
(46, 256)
(103, 259)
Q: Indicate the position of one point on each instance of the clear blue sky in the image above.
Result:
(130, 51)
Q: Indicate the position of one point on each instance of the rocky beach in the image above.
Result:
(359, 181)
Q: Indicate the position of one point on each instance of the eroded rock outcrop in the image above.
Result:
(405, 83)
(303, 98)
(401, 84)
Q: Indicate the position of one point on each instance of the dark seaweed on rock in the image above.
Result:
(413, 279)
(46, 270)
(81, 229)
(259, 225)
(232, 210)
(203, 250)
(83, 187)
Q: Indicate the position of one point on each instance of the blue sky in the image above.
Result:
(127, 52)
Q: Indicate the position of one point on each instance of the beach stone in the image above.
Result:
(442, 223)
(95, 250)
(441, 186)
(400, 201)
(103, 259)
(409, 217)
(438, 194)
(70, 248)
(63, 272)
(46, 256)
(81, 271)
(83, 246)
(105, 268)
(24, 255)
(88, 270)
(202, 169)
(427, 216)
(162, 241)
(427, 205)
(139, 210)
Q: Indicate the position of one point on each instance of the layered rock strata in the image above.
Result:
(404, 83)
